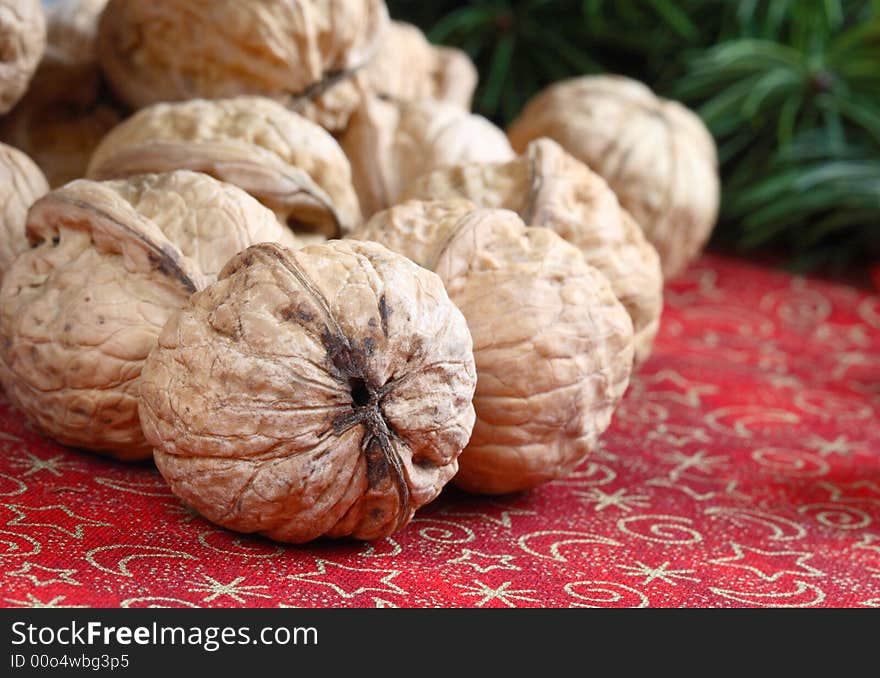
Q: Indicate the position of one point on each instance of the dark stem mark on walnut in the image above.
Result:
(360, 393)
(162, 257)
(278, 188)
(296, 101)
(366, 411)
(366, 398)
(384, 312)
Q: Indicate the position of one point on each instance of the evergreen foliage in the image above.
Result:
(789, 88)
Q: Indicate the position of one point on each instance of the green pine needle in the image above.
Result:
(789, 88)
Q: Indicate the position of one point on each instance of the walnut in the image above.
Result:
(332, 108)
(21, 183)
(391, 143)
(66, 111)
(656, 154)
(409, 68)
(320, 392)
(60, 139)
(170, 50)
(549, 188)
(22, 40)
(110, 261)
(553, 346)
(288, 163)
(72, 26)
(405, 68)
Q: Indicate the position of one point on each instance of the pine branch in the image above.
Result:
(789, 88)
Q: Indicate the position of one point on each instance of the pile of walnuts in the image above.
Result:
(267, 245)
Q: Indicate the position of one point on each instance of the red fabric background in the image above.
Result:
(743, 469)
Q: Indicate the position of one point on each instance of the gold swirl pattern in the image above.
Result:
(742, 469)
(605, 594)
(662, 529)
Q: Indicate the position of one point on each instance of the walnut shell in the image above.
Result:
(170, 50)
(320, 392)
(553, 346)
(59, 138)
(288, 163)
(656, 154)
(66, 111)
(22, 41)
(409, 68)
(72, 28)
(109, 263)
(391, 143)
(548, 187)
(21, 183)
(405, 68)
(333, 107)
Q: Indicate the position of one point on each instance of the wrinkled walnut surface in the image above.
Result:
(173, 50)
(65, 112)
(320, 392)
(656, 154)
(287, 162)
(552, 344)
(109, 263)
(391, 143)
(21, 183)
(547, 187)
(22, 41)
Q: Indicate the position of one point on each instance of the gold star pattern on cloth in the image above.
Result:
(740, 470)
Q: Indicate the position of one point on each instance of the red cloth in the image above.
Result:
(743, 469)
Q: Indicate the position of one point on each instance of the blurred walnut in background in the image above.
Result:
(168, 50)
(409, 68)
(656, 154)
(67, 109)
(548, 187)
(391, 143)
(406, 67)
(21, 183)
(22, 41)
(320, 59)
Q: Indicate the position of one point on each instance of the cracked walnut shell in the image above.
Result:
(171, 50)
(288, 163)
(109, 262)
(22, 41)
(553, 346)
(21, 183)
(657, 155)
(391, 143)
(547, 187)
(325, 391)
